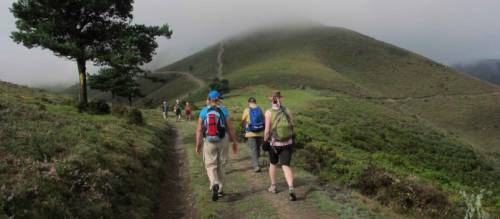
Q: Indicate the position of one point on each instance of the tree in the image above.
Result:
(84, 31)
(127, 87)
(219, 85)
(134, 47)
(119, 81)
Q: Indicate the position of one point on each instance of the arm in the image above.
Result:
(267, 130)
(199, 134)
(232, 135)
(289, 115)
(244, 120)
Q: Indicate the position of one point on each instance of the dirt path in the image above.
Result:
(176, 197)
(220, 63)
(285, 208)
(403, 99)
(201, 84)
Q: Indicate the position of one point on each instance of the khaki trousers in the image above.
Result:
(215, 156)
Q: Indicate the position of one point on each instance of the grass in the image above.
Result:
(474, 119)
(337, 59)
(342, 137)
(56, 162)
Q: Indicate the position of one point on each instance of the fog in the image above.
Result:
(448, 31)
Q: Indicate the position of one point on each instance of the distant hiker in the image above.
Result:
(252, 122)
(164, 108)
(178, 110)
(214, 126)
(278, 134)
(187, 111)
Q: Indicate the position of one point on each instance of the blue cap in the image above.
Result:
(215, 94)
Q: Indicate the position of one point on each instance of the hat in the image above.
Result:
(276, 93)
(214, 94)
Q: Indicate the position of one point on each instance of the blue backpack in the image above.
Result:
(256, 123)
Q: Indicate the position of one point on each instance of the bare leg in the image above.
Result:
(288, 175)
(272, 174)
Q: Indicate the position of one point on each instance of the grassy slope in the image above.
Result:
(341, 60)
(56, 162)
(342, 136)
(345, 61)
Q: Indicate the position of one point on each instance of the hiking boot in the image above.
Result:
(221, 194)
(215, 192)
(292, 195)
(272, 189)
(256, 169)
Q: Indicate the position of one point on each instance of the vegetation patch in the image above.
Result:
(58, 163)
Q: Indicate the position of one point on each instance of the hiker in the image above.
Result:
(278, 135)
(178, 110)
(187, 111)
(252, 122)
(212, 136)
(165, 109)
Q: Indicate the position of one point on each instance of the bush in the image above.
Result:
(119, 110)
(135, 117)
(148, 103)
(98, 107)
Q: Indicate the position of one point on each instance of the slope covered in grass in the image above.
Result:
(398, 159)
(304, 54)
(350, 63)
(58, 163)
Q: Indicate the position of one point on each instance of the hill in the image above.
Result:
(488, 70)
(365, 106)
(338, 59)
(58, 163)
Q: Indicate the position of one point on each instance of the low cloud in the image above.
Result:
(448, 31)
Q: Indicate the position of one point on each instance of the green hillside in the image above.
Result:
(341, 60)
(363, 104)
(58, 163)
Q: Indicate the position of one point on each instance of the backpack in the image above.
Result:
(281, 129)
(256, 123)
(214, 125)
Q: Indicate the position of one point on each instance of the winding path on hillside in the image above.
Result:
(402, 99)
(201, 84)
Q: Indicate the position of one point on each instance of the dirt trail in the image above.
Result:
(285, 209)
(220, 63)
(396, 99)
(176, 198)
(201, 83)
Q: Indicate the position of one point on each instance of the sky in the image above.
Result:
(448, 31)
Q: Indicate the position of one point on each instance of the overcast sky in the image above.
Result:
(448, 31)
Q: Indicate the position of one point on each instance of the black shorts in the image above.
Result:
(281, 154)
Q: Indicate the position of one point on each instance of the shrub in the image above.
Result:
(373, 179)
(119, 110)
(135, 117)
(415, 196)
(148, 103)
(473, 203)
(98, 107)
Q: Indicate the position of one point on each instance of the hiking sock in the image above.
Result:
(272, 188)
(215, 192)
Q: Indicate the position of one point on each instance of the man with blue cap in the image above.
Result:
(212, 136)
